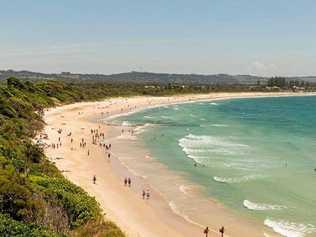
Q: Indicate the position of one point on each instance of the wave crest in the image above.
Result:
(290, 229)
(195, 146)
(233, 180)
(126, 124)
(140, 129)
(261, 206)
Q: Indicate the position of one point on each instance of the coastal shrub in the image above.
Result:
(79, 205)
(10, 227)
(99, 228)
(18, 199)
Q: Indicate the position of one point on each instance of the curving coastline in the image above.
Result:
(124, 206)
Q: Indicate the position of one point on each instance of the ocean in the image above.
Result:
(255, 156)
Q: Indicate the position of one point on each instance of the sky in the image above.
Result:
(266, 37)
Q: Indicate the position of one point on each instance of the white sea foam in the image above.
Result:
(233, 180)
(213, 103)
(126, 124)
(261, 206)
(184, 189)
(290, 229)
(141, 129)
(192, 145)
(126, 137)
(148, 117)
(219, 125)
(266, 235)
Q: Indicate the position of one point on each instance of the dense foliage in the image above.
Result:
(35, 199)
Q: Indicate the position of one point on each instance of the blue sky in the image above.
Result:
(267, 37)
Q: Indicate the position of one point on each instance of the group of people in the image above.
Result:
(129, 131)
(107, 146)
(56, 145)
(128, 182)
(221, 231)
(96, 136)
(83, 143)
(146, 194)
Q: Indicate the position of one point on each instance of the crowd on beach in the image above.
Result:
(98, 138)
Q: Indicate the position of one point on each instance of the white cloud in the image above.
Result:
(261, 68)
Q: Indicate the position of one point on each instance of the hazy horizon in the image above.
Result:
(270, 38)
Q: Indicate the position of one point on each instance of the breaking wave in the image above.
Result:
(140, 129)
(290, 229)
(126, 124)
(203, 146)
(234, 180)
(219, 125)
(261, 206)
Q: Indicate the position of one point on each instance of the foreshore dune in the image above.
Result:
(123, 205)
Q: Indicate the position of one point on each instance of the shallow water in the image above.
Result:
(256, 156)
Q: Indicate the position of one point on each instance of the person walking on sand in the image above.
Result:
(144, 194)
(125, 182)
(147, 194)
(94, 179)
(222, 230)
(129, 182)
(206, 231)
(88, 152)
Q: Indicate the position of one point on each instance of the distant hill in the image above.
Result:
(140, 77)
(150, 78)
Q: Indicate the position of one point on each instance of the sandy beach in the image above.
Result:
(82, 123)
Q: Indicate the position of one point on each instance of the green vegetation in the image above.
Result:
(285, 84)
(35, 199)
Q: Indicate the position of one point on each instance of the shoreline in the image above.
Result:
(125, 207)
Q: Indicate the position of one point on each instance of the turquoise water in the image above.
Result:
(256, 156)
